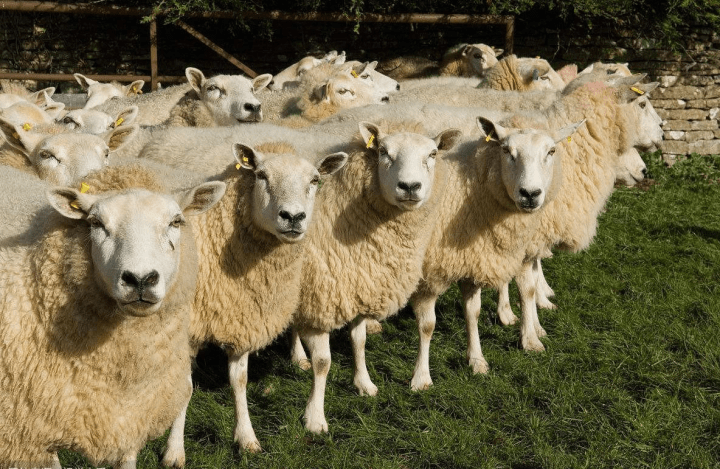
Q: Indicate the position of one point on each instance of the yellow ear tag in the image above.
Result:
(569, 139)
(489, 137)
(637, 90)
(244, 160)
(238, 166)
(370, 141)
(26, 126)
(119, 121)
(83, 189)
(135, 90)
(354, 73)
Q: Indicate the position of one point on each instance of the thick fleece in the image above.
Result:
(153, 108)
(75, 372)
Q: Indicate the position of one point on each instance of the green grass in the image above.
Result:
(630, 378)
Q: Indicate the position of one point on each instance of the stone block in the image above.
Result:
(717, 134)
(705, 147)
(667, 80)
(679, 125)
(713, 113)
(675, 135)
(675, 147)
(680, 92)
(684, 114)
(712, 91)
(704, 125)
(697, 104)
(697, 135)
(668, 103)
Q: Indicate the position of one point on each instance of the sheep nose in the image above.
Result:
(409, 187)
(132, 280)
(252, 107)
(530, 195)
(398, 87)
(292, 219)
(385, 99)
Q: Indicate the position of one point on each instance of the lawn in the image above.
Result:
(630, 378)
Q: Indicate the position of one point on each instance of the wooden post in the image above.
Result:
(153, 55)
(509, 35)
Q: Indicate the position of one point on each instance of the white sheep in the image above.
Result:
(56, 155)
(465, 60)
(98, 93)
(14, 92)
(291, 76)
(100, 364)
(498, 186)
(97, 122)
(153, 108)
(24, 112)
(365, 252)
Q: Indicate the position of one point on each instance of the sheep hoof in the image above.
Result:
(304, 364)
(544, 303)
(479, 365)
(252, 447)
(420, 383)
(549, 292)
(540, 331)
(506, 316)
(366, 388)
(532, 345)
(319, 426)
(373, 327)
(174, 458)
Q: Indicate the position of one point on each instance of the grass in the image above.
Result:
(630, 378)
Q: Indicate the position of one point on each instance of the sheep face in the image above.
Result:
(537, 74)
(135, 239)
(24, 112)
(87, 120)
(292, 74)
(283, 196)
(630, 168)
(646, 124)
(383, 83)
(98, 92)
(480, 57)
(64, 158)
(406, 163)
(344, 91)
(229, 98)
(527, 161)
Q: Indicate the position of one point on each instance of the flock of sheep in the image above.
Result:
(228, 210)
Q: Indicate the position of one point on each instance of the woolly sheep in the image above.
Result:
(217, 101)
(522, 74)
(153, 108)
(290, 77)
(497, 189)
(56, 155)
(98, 93)
(97, 122)
(14, 92)
(101, 361)
(469, 60)
(251, 258)
(365, 252)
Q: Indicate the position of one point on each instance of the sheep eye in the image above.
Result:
(544, 77)
(261, 175)
(177, 222)
(107, 152)
(551, 152)
(642, 104)
(69, 120)
(45, 155)
(364, 76)
(477, 56)
(382, 151)
(211, 88)
(343, 91)
(433, 154)
(315, 181)
(95, 222)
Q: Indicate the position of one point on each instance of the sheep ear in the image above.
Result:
(42, 97)
(370, 134)
(120, 136)
(339, 60)
(332, 163)
(467, 49)
(321, 93)
(200, 198)
(127, 115)
(247, 157)
(372, 65)
(567, 131)
(447, 139)
(498, 52)
(84, 81)
(627, 81)
(195, 77)
(490, 129)
(588, 69)
(329, 56)
(54, 109)
(19, 138)
(261, 81)
(70, 203)
(629, 94)
(134, 88)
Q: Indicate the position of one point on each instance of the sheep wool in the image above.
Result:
(74, 371)
(505, 76)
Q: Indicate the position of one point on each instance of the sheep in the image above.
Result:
(522, 74)
(409, 67)
(98, 93)
(291, 76)
(218, 101)
(13, 92)
(97, 122)
(367, 71)
(465, 60)
(100, 364)
(498, 187)
(250, 256)
(154, 108)
(24, 112)
(58, 156)
(364, 255)
(617, 68)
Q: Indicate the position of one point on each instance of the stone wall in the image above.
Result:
(688, 98)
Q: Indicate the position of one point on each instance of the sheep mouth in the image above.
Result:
(528, 207)
(409, 203)
(141, 307)
(292, 235)
(250, 119)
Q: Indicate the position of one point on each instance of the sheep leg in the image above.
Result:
(362, 380)
(319, 344)
(129, 461)
(543, 290)
(297, 352)
(526, 282)
(244, 433)
(471, 303)
(373, 326)
(175, 450)
(424, 308)
(504, 311)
